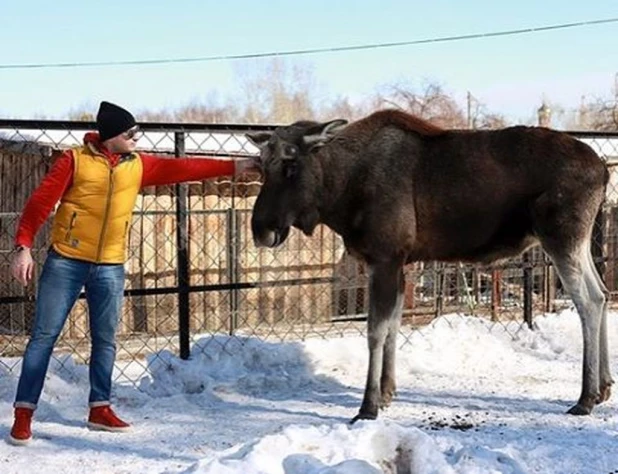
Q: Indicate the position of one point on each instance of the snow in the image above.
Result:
(471, 399)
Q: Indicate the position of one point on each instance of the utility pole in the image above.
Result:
(615, 108)
(469, 97)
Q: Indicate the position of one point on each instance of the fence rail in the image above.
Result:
(192, 269)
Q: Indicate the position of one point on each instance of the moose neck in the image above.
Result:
(335, 165)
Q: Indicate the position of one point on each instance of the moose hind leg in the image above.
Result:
(605, 376)
(578, 278)
(383, 299)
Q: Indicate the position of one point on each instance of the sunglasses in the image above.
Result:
(133, 134)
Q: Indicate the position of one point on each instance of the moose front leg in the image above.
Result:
(388, 386)
(385, 302)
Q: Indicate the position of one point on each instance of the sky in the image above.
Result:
(472, 399)
(512, 75)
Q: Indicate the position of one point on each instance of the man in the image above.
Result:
(97, 185)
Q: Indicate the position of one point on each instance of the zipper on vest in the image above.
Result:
(67, 237)
(110, 190)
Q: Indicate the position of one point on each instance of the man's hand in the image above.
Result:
(247, 165)
(22, 266)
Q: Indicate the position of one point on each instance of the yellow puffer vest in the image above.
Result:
(93, 219)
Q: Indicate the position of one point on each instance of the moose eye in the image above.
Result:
(290, 150)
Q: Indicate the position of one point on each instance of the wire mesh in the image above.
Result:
(309, 287)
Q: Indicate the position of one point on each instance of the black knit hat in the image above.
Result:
(113, 120)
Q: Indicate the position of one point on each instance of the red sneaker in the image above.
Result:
(103, 418)
(21, 433)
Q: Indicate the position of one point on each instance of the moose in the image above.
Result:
(399, 189)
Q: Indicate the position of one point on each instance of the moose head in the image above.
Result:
(292, 179)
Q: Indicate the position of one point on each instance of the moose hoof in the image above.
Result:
(384, 404)
(579, 410)
(363, 416)
(606, 393)
(386, 400)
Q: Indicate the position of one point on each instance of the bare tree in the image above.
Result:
(81, 116)
(161, 115)
(479, 117)
(211, 110)
(342, 107)
(602, 114)
(432, 104)
(277, 92)
(208, 110)
(598, 113)
(82, 113)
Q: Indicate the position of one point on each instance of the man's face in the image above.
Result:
(125, 142)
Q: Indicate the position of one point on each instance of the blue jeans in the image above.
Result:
(60, 284)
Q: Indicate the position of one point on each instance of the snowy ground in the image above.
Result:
(470, 400)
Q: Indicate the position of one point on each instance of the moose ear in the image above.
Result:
(320, 133)
(259, 139)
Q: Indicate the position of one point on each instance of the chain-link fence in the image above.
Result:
(193, 270)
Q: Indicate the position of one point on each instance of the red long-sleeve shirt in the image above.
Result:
(157, 170)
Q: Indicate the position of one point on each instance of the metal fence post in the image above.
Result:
(496, 294)
(439, 288)
(182, 241)
(231, 268)
(527, 284)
